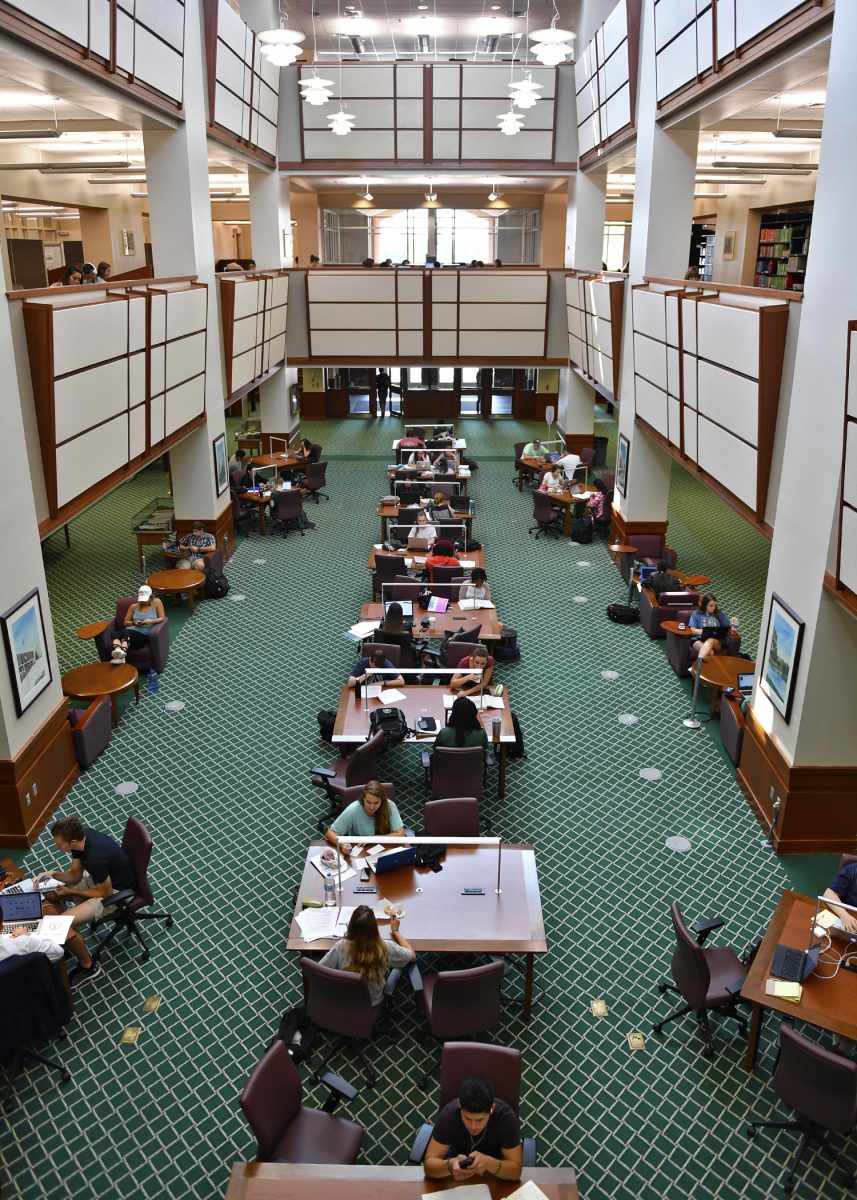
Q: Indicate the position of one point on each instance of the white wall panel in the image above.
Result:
(157, 369)
(729, 399)
(370, 286)
(752, 16)
(243, 369)
(352, 316)
(575, 350)
(370, 114)
(729, 336)
(617, 112)
(599, 299)
(410, 316)
(575, 321)
(184, 403)
(137, 431)
(651, 405)
(185, 358)
(731, 462)
(90, 397)
(690, 427)
(337, 343)
(85, 460)
(409, 81)
(650, 360)
(137, 379)
(156, 421)
(410, 144)
(501, 344)
(674, 414)
(601, 367)
(648, 313)
(409, 287)
(244, 335)
(277, 321)
(446, 81)
(444, 287)
(676, 64)
(444, 316)
(688, 325)
(485, 288)
(490, 143)
(410, 343)
(689, 364)
(156, 64)
(375, 80)
(186, 311)
(229, 110)
(671, 16)
(502, 316)
(671, 311)
(359, 144)
(673, 371)
(444, 344)
(89, 334)
(849, 492)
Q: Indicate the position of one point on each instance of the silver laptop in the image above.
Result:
(23, 911)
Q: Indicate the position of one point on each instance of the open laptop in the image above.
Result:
(407, 607)
(23, 911)
(645, 570)
(795, 965)
(745, 684)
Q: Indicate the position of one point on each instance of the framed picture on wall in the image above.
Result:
(129, 242)
(782, 655)
(730, 243)
(221, 472)
(26, 650)
(622, 463)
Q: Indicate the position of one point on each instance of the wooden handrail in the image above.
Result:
(698, 285)
(120, 285)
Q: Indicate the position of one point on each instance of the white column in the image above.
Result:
(20, 550)
(660, 236)
(182, 244)
(587, 207)
(270, 223)
(822, 724)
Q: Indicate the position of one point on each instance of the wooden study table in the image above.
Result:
(826, 1003)
(102, 679)
(438, 918)
(176, 581)
(303, 1181)
(529, 468)
(570, 502)
(283, 462)
(411, 475)
(351, 727)
(451, 621)
(390, 512)
(717, 672)
(476, 558)
(455, 444)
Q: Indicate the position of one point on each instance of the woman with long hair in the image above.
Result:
(365, 952)
(373, 815)
(464, 728)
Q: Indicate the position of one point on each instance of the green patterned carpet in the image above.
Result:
(223, 786)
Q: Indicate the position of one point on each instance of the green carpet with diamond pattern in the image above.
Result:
(223, 786)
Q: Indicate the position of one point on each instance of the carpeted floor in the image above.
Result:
(223, 786)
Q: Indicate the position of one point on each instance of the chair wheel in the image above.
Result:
(708, 1052)
(9, 1105)
(657, 1028)
(788, 1185)
(169, 922)
(662, 987)
(751, 1131)
(145, 956)
(66, 1076)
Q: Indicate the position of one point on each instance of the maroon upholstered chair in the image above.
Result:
(456, 651)
(654, 610)
(500, 1065)
(455, 770)
(316, 479)
(461, 1004)
(680, 649)
(343, 773)
(456, 816)
(546, 517)
(821, 1087)
(732, 722)
(153, 655)
(403, 640)
(586, 456)
(387, 567)
(706, 979)
(391, 651)
(285, 1131)
(650, 550)
(125, 909)
(287, 512)
(91, 730)
(339, 1002)
(446, 582)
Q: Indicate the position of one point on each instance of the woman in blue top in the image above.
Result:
(373, 815)
(706, 618)
(139, 620)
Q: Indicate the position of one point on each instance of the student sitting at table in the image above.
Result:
(532, 449)
(709, 617)
(464, 728)
(366, 953)
(553, 479)
(308, 451)
(198, 543)
(475, 1135)
(140, 618)
(442, 555)
(363, 672)
(477, 589)
(394, 620)
(423, 530)
(444, 465)
(568, 463)
(373, 815)
(419, 461)
(439, 508)
(469, 681)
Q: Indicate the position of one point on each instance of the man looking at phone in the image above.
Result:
(475, 1135)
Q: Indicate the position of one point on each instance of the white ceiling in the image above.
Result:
(389, 30)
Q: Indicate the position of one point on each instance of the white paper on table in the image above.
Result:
(54, 929)
(372, 691)
(315, 923)
(343, 917)
(377, 545)
(323, 868)
(362, 628)
(391, 696)
(528, 1191)
(467, 562)
(374, 851)
(471, 605)
(490, 702)
(470, 1191)
(449, 699)
(409, 562)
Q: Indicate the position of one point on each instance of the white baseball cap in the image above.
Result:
(145, 592)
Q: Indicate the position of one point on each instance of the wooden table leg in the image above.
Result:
(114, 708)
(190, 603)
(566, 521)
(137, 690)
(501, 772)
(263, 527)
(528, 986)
(753, 1040)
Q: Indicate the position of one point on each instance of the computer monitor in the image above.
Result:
(406, 605)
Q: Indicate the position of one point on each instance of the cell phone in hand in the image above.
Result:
(464, 1163)
(365, 874)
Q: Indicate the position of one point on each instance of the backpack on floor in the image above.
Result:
(326, 721)
(216, 584)
(623, 614)
(581, 530)
(517, 750)
(507, 647)
(298, 1033)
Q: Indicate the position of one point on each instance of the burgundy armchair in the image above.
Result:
(682, 651)
(732, 722)
(153, 656)
(654, 610)
(650, 550)
(91, 730)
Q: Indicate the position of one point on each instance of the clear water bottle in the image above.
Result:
(152, 680)
(329, 890)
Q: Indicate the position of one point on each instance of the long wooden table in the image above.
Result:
(571, 503)
(390, 512)
(451, 621)
(826, 1003)
(300, 1181)
(351, 727)
(438, 918)
(414, 557)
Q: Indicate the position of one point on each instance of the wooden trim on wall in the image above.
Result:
(48, 761)
(818, 804)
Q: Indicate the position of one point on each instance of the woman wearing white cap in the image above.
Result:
(139, 620)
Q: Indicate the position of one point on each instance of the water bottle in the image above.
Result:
(152, 680)
(358, 688)
(329, 890)
(495, 729)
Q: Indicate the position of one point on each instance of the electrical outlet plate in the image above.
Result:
(150, 1004)
(599, 1008)
(636, 1041)
(129, 1035)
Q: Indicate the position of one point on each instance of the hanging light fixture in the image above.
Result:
(341, 122)
(431, 194)
(365, 194)
(281, 46)
(494, 194)
(317, 90)
(524, 93)
(552, 46)
(510, 122)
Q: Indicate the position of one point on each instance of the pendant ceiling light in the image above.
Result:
(281, 46)
(552, 46)
(524, 93)
(510, 122)
(341, 122)
(317, 91)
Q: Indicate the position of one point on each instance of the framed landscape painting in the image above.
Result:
(26, 650)
(221, 473)
(622, 463)
(782, 655)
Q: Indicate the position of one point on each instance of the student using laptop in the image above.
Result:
(419, 461)
(99, 867)
(844, 888)
(660, 581)
(532, 449)
(394, 619)
(366, 953)
(711, 627)
(18, 941)
(423, 531)
(468, 683)
(567, 463)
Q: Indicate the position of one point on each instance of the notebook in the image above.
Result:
(438, 604)
(21, 911)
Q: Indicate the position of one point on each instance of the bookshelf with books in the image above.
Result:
(783, 249)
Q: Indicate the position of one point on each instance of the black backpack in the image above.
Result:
(389, 721)
(216, 584)
(326, 720)
(517, 751)
(581, 530)
(298, 1033)
(507, 649)
(623, 614)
